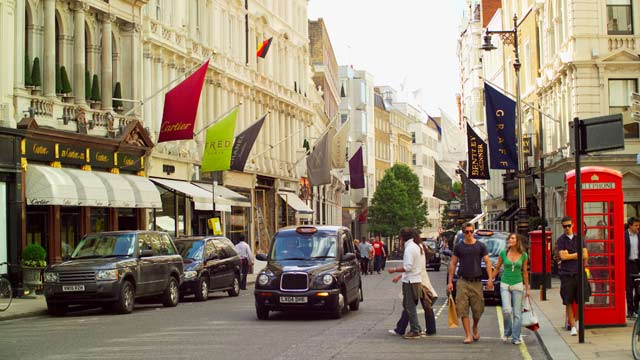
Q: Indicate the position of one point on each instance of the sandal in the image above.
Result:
(467, 341)
(476, 337)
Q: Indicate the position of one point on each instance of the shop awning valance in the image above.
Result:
(146, 193)
(302, 209)
(46, 185)
(226, 196)
(91, 190)
(202, 199)
(120, 191)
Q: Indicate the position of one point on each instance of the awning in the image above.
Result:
(302, 209)
(46, 185)
(146, 193)
(226, 196)
(91, 191)
(120, 191)
(201, 198)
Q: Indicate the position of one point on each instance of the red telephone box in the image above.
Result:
(603, 234)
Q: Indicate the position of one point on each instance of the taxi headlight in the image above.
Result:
(190, 275)
(107, 275)
(51, 277)
(327, 279)
(263, 279)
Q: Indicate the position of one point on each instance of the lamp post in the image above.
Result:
(510, 37)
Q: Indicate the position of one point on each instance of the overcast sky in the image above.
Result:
(399, 41)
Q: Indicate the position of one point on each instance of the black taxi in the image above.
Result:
(309, 267)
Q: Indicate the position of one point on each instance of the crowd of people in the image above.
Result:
(371, 255)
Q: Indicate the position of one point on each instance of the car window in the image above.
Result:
(209, 249)
(102, 245)
(166, 245)
(291, 245)
(145, 243)
(222, 249)
(347, 243)
(190, 249)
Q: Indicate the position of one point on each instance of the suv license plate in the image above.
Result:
(293, 299)
(73, 288)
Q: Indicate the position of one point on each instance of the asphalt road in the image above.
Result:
(226, 328)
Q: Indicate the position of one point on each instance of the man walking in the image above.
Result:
(246, 259)
(469, 286)
(365, 249)
(631, 251)
(413, 261)
(568, 245)
(378, 253)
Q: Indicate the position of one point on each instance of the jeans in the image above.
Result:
(512, 309)
(410, 296)
(377, 263)
(632, 295)
(244, 270)
(429, 319)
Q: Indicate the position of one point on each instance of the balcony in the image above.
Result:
(622, 41)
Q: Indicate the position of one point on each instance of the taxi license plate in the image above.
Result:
(73, 288)
(293, 299)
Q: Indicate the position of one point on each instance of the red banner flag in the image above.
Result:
(263, 48)
(181, 106)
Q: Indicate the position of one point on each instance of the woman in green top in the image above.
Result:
(513, 285)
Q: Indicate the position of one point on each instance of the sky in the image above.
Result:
(410, 42)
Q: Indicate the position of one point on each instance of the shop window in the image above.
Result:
(620, 103)
(127, 219)
(99, 220)
(619, 19)
(237, 223)
(69, 230)
(37, 225)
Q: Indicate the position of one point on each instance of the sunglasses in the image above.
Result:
(567, 226)
(468, 231)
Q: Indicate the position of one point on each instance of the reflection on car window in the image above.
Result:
(296, 246)
(105, 245)
(190, 249)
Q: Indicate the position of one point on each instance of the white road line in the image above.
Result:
(446, 303)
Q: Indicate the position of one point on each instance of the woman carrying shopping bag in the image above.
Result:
(514, 284)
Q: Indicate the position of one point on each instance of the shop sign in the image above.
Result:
(101, 158)
(72, 154)
(129, 162)
(40, 150)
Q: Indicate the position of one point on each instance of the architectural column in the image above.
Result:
(79, 66)
(49, 60)
(107, 61)
(19, 46)
(148, 106)
(157, 102)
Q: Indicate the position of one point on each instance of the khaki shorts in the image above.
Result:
(469, 294)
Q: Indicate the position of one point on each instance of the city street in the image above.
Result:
(226, 327)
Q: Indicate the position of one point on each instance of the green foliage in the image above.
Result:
(95, 89)
(117, 94)
(27, 71)
(457, 189)
(389, 210)
(35, 73)
(87, 85)
(34, 255)
(66, 85)
(417, 204)
(58, 80)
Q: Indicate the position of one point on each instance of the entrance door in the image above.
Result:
(38, 225)
(599, 240)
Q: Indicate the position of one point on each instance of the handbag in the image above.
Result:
(428, 295)
(529, 318)
(453, 313)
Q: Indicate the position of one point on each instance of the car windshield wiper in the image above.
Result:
(114, 255)
(323, 257)
(87, 257)
(294, 258)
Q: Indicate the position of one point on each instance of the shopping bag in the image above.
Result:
(453, 313)
(529, 318)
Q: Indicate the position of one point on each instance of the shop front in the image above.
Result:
(10, 199)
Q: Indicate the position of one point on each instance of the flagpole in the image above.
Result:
(141, 102)
(216, 120)
(271, 147)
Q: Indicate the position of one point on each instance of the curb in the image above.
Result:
(552, 342)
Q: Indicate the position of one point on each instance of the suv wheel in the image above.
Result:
(235, 290)
(202, 292)
(337, 312)
(355, 305)
(262, 313)
(170, 297)
(125, 303)
(56, 309)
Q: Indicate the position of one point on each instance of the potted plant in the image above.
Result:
(27, 73)
(65, 85)
(36, 82)
(34, 259)
(117, 95)
(87, 86)
(95, 93)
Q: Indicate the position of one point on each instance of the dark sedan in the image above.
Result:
(435, 261)
(210, 264)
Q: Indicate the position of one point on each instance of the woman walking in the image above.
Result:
(514, 284)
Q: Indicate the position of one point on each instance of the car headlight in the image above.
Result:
(327, 279)
(263, 279)
(51, 277)
(190, 275)
(107, 275)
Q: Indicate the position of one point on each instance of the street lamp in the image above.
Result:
(510, 37)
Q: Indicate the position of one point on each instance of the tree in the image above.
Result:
(389, 210)
(58, 80)
(35, 73)
(95, 89)
(417, 204)
(27, 71)
(66, 84)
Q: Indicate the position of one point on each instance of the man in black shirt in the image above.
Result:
(568, 245)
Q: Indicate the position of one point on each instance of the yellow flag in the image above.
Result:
(219, 144)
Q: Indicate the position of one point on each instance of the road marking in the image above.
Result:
(522, 346)
(446, 303)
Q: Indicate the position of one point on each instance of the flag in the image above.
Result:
(263, 48)
(306, 146)
(243, 144)
(455, 146)
(219, 143)
(181, 106)
(471, 203)
(438, 128)
(339, 146)
(501, 128)
(356, 170)
(477, 165)
(319, 162)
(442, 188)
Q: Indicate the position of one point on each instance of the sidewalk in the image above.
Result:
(35, 306)
(599, 343)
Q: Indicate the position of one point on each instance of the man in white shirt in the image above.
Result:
(632, 248)
(246, 258)
(413, 261)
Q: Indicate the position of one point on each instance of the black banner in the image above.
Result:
(478, 166)
(471, 203)
(40, 150)
(101, 158)
(442, 188)
(68, 154)
(501, 129)
(243, 144)
(129, 162)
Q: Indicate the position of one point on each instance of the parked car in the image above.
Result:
(309, 267)
(435, 261)
(495, 241)
(210, 264)
(113, 269)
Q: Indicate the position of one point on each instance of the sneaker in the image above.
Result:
(423, 334)
(393, 332)
(516, 342)
(504, 338)
(574, 331)
(411, 335)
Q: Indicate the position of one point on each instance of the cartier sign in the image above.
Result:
(101, 158)
(40, 150)
(72, 154)
(129, 162)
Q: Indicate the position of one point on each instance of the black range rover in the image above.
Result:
(309, 267)
(112, 269)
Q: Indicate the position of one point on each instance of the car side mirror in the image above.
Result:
(146, 253)
(348, 257)
(261, 257)
(446, 252)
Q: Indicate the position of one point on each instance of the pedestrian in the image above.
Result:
(632, 262)
(469, 253)
(513, 285)
(385, 256)
(365, 249)
(568, 245)
(378, 253)
(356, 242)
(427, 301)
(246, 260)
(413, 262)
